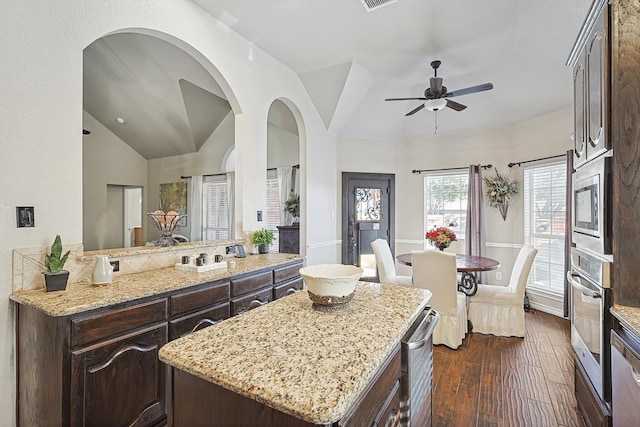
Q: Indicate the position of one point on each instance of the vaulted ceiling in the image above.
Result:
(349, 60)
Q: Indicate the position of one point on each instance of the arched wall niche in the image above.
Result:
(144, 172)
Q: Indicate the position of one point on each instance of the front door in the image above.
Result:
(368, 202)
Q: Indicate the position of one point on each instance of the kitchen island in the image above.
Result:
(287, 363)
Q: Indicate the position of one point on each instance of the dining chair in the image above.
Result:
(386, 265)
(499, 310)
(436, 271)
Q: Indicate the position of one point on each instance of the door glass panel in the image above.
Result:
(368, 204)
(368, 264)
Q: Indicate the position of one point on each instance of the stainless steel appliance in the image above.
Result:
(417, 371)
(591, 216)
(590, 279)
(625, 367)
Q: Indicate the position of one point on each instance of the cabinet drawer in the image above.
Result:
(251, 283)
(198, 320)
(88, 329)
(287, 288)
(389, 415)
(372, 401)
(186, 302)
(251, 301)
(285, 273)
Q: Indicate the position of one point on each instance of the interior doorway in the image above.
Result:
(132, 216)
(368, 213)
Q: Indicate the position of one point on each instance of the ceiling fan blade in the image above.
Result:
(415, 110)
(455, 105)
(468, 90)
(406, 99)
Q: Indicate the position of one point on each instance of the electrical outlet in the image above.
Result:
(115, 265)
(498, 275)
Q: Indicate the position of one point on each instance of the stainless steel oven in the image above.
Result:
(591, 216)
(590, 279)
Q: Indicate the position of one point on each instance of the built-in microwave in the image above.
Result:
(591, 213)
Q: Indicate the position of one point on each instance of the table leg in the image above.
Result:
(468, 284)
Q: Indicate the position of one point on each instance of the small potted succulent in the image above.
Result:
(262, 239)
(55, 278)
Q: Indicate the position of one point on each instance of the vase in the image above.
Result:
(102, 271)
(263, 249)
(443, 246)
(503, 211)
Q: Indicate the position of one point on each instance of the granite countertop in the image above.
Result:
(80, 297)
(297, 360)
(629, 316)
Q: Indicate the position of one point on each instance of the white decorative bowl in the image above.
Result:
(331, 284)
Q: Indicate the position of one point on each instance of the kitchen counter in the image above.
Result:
(79, 297)
(628, 316)
(317, 363)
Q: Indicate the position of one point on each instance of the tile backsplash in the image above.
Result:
(28, 263)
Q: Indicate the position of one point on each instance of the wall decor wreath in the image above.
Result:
(500, 192)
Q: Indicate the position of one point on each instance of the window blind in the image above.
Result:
(215, 209)
(544, 220)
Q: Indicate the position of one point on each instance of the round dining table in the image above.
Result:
(468, 265)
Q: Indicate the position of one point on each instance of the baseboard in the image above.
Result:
(547, 309)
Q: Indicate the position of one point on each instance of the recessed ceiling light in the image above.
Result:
(120, 120)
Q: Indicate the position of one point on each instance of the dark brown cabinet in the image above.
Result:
(101, 367)
(120, 381)
(289, 239)
(591, 89)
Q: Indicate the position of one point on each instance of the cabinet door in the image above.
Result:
(120, 381)
(597, 94)
(579, 110)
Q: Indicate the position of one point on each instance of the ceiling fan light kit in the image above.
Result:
(435, 104)
(436, 96)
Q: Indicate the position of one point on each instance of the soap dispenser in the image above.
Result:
(102, 271)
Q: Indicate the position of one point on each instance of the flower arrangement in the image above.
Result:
(292, 205)
(441, 237)
(500, 191)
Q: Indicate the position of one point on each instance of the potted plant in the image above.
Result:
(292, 205)
(500, 191)
(262, 239)
(55, 278)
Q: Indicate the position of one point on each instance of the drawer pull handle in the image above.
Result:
(291, 291)
(205, 322)
(257, 303)
(119, 353)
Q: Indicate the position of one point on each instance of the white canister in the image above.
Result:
(102, 271)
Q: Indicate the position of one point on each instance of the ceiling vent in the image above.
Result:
(371, 5)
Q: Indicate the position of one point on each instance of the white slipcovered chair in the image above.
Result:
(499, 310)
(386, 265)
(436, 271)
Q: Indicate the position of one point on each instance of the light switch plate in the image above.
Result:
(498, 275)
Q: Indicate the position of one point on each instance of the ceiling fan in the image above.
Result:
(435, 94)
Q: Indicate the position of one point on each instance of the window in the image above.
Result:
(215, 209)
(272, 216)
(445, 202)
(544, 221)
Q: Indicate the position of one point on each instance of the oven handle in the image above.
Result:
(585, 291)
(435, 316)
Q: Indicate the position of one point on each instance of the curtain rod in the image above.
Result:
(222, 174)
(535, 160)
(418, 171)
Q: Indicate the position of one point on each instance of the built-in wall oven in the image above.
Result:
(590, 280)
(591, 213)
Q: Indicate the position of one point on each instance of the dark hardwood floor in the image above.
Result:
(497, 381)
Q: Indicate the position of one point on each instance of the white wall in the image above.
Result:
(544, 136)
(41, 121)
